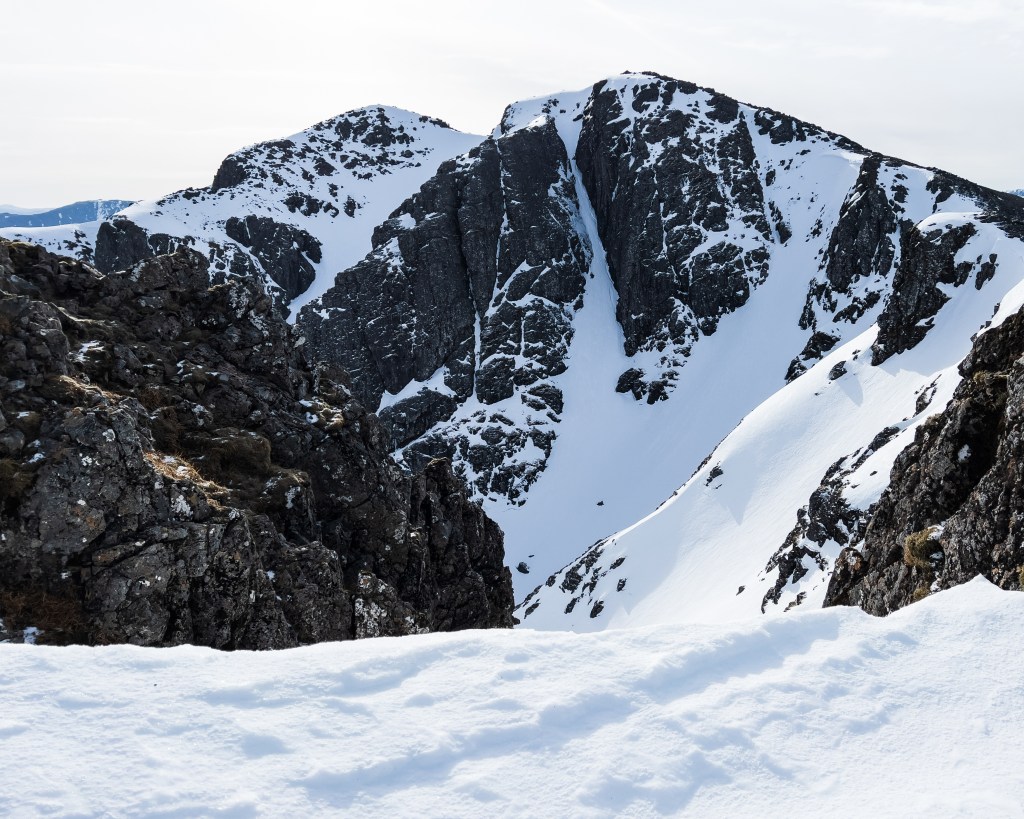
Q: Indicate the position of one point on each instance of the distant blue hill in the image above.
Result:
(90, 211)
(1019, 191)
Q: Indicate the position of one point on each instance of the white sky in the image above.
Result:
(134, 99)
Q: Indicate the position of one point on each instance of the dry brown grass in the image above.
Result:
(14, 479)
(919, 547)
(175, 468)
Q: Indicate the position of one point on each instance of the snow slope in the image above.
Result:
(75, 240)
(823, 713)
(702, 555)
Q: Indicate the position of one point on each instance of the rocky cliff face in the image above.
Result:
(681, 212)
(954, 503)
(172, 470)
(472, 292)
(576, 310)
(467, 301)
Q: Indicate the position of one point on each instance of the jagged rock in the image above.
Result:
(578, 582)
(861, 245)
(824, 526)
(926, 260)
(411, 418)
(175, 471)
(477, 276)
(284, 251)
(817, 345)
(954, 502)
(663, 215)
(838, 371)
(437, 264)
(121, 243)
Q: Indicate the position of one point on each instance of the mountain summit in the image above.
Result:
(579, 309)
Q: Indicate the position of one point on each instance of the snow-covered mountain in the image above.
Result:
(580, 309)
(642, 297)
(290, 212)
(69, 230)
(92, 210)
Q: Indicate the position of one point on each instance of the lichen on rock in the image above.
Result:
(173, 470)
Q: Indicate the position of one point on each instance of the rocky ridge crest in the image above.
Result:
(174, 471)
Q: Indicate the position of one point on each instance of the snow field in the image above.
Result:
(827, 712)
(687, 560)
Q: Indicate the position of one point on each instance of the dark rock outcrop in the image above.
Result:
(284, 251)
(927, 260)
(579, 581)
(173, 470)
(825, 525)
(121, 243)
(954, 506)
(861, 243)
(476, 277)
(665, 187)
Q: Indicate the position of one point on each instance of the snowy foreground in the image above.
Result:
(809, 714)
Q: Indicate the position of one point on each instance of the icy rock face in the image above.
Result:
(469, 294)
(279, 211)
(120, 243)
(174, 471)
(954, 503)
(285, 252)
(928, 259)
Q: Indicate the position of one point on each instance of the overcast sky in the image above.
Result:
(130, 99)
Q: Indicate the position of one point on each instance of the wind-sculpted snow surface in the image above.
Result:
(824, 712)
